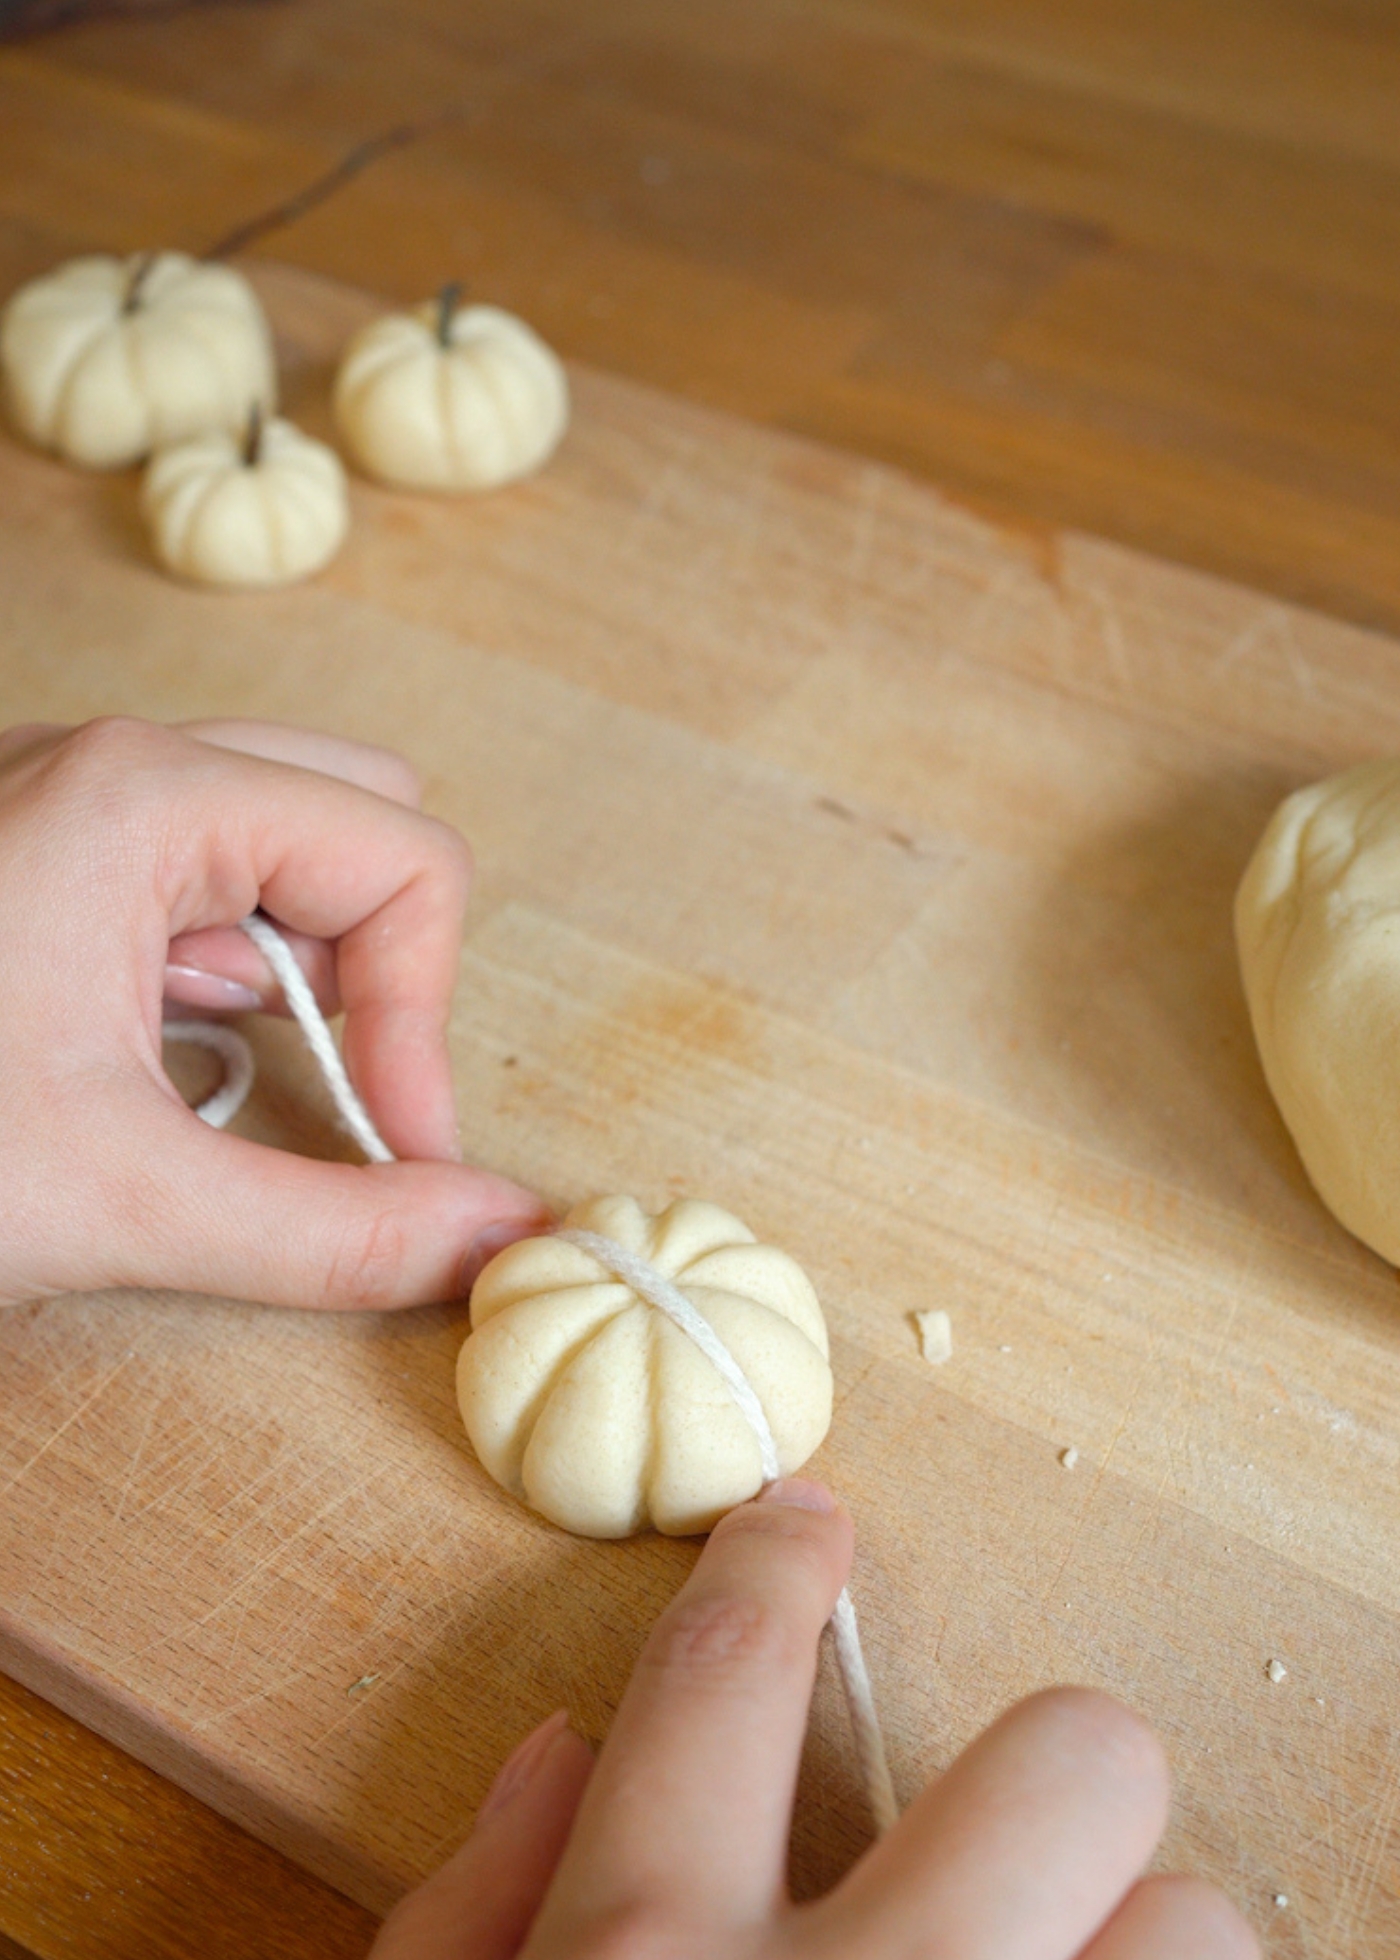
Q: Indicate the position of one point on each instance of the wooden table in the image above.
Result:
(1136, 275)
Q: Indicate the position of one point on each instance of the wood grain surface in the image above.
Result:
(852, 863)
(1130, 267)
(151, 1875)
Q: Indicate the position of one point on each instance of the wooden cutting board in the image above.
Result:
(867, 868)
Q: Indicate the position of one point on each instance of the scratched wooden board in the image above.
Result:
(864, 867)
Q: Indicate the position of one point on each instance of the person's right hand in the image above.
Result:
(674, 1846)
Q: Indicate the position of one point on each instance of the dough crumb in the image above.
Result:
(935, 1335)
(1280, 1899)
(1069, 1457)
(1276, 1672)
(1005, 1348)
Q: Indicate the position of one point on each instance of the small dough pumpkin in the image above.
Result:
(107, 358)
(599, 1412)
(1317, 921)
(450, 398)
(265, 510)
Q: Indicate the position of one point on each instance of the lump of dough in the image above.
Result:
(935, 1335)
(1317, 922)
(600, 1413)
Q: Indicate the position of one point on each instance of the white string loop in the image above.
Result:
(643, 1278)
(236, 1056)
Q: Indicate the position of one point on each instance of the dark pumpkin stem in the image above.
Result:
(253, 437)
(139, 274)
(447, 307)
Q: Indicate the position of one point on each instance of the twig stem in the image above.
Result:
(447, 307)
(330, 181)
(136, 279)
(253, 437)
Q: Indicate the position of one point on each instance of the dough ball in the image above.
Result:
(599, 1412)
(1317, 921)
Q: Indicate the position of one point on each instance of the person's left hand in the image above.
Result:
(128, 853)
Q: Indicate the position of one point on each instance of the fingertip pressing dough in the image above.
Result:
(1317, 923)
(263, 509)
(450, 397)
(106, 359)
(599, 1412)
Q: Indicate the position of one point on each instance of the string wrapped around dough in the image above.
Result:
(715, 1254)
(607, 1415)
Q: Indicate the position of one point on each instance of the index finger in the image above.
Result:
(329, 859)
(389, 887)
(690, 1805)
(365, 764)
(224, 951)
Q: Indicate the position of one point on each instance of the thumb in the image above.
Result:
(481, 1903)
(218, 1214)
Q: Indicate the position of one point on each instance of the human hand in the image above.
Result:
(128, 853)
(674, 1847)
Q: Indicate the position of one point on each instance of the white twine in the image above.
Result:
(236, 1056)
(643, 1278)
(654, 1287)
(298, 995)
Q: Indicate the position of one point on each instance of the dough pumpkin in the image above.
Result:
(450, 398)
(107, 358)
(600, 1413)
(264, 510)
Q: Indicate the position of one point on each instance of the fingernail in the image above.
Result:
(520, 1768)
(800, 1492)
(494, 1239)
(192, 987)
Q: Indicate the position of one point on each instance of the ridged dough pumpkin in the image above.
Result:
(599, 1412)
(106, 358)
(265, 510)
(450, 398)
